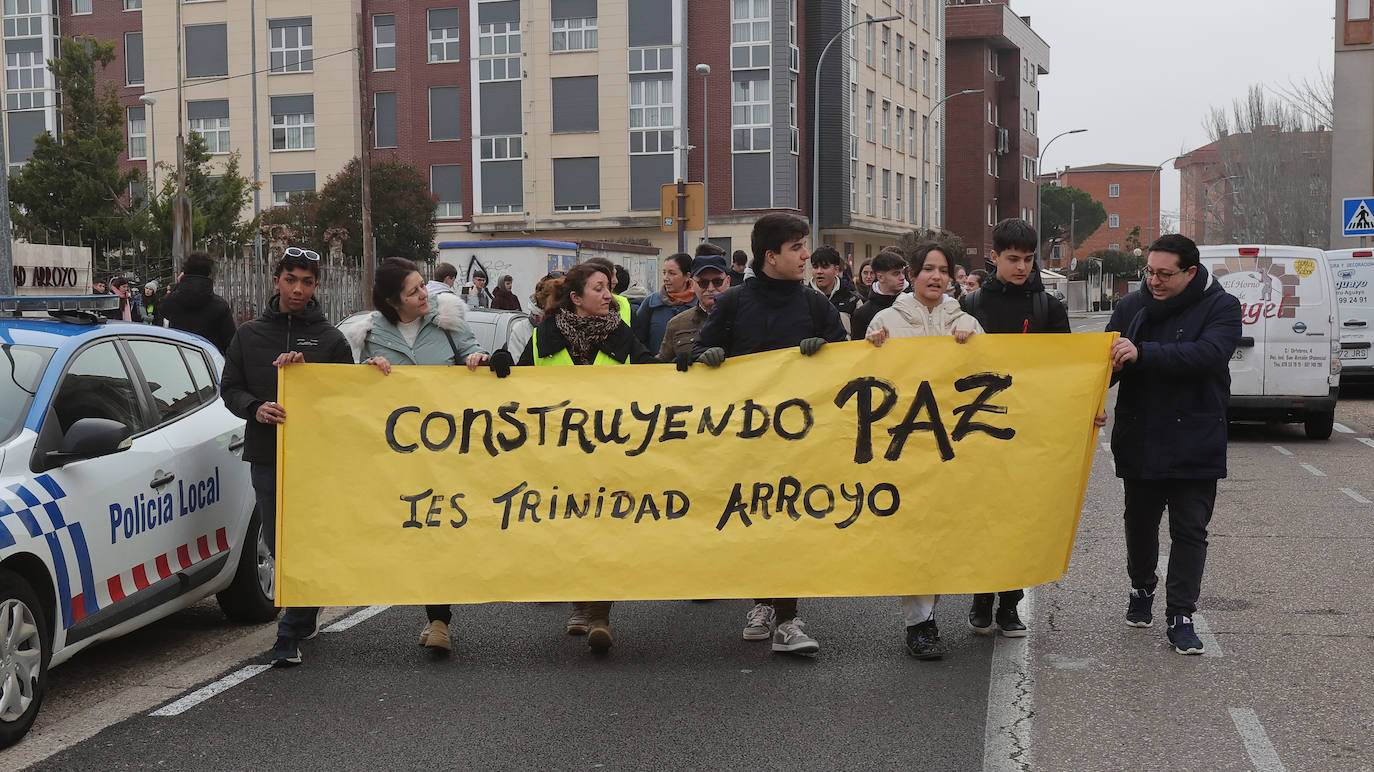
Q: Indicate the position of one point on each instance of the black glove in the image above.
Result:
(712, 357)
(809, 346)
(500, 363)
(684, 361)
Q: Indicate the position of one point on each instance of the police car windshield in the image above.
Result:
(21, 368)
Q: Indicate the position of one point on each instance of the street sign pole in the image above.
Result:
(681, 215)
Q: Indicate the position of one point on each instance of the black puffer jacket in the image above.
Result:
(249, 378)
(1004, 307)
(194, 307)
(1171, 407)
(858, 324)
(768, 314)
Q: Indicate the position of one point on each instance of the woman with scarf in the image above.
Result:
(408, 328)
(677, 295)
(585, 328)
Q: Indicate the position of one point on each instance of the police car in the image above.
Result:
(123, 497)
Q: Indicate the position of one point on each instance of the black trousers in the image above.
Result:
(784, 609)
(1190, 504)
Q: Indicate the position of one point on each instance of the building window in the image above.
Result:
(138, 133)
(445, 113)
(868, 41)
(925, 73)
(576, 184)
(293, 122)
(81, 7)
(283, 185)
(868, 117)
(444, 35)
(793, 50)
(887, 194)
(868, 188)
(210, 119)
(792, 124)
(901, 59)
(24, 18)
(751, 116)
(897, 208)
(911, 132)
(911, 65)
(992, 214)
(133, 58)
(853, 186)
(501, 148)
(290, 46)
(1114, 247)
(651, 59)
(750, 35)
(651, 116)
(853, 31)
(384, 42)
(1357, 10)
(207, 51)
(384, 127)
(24, 71)
(911, 202)
(1113, 221)
(925, 14)
(500, 43)
(992, 164)
(574, 34)
(133, 5)
(887, 123)
(576, 104)
(887, 49)
(446, 183)
(1114, 190)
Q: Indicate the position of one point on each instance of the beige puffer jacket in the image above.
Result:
(907, 318)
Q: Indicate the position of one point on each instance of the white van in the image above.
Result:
(1353, 271)
(1287, 367)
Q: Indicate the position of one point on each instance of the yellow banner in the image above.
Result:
(924, 466)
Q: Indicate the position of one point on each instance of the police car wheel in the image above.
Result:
(25, 648)
(249, 598)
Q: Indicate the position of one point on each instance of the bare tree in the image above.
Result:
(1272, 181)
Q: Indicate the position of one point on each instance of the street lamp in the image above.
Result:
(1154, 218)
(816, 129)
(149, 100)
(704, 70)
(1039, 185)
(925, 153)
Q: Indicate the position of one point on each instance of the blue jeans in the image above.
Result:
(295, 623)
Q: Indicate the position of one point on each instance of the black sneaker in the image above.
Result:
(1138, 613)
(1010, 622)
(285, 653)
(980, 613)
(1182, 636)
(923, 641)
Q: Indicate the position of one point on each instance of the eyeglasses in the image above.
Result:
(1161, 275)
(717, 282)
(308, 254)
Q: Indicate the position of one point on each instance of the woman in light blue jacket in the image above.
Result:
(411, 327)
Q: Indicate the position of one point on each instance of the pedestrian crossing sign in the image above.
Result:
(1358, 217)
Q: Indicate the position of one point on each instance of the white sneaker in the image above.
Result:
(790, 638)
(758, 623)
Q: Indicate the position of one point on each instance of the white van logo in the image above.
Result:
(1299, 327)
(1345, 273)
(1265, 291)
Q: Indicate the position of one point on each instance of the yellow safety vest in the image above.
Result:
(625, 309)
(563, 357)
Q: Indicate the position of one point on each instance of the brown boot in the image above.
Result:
(599, 626)
(577, 620)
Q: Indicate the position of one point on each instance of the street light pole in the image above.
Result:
(816, 128)
(149, 100)
(1154, 218)
(925, 145)
(1039, 185)
(704, 70)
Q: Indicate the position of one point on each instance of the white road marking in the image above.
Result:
(1257, 744)
(1315, 471)
(355, 618)
(1366, 441)
(1356, 496)
(1283, 450)
(1007, 733)
(1210, 647)
(1342, 428)
(209, 690)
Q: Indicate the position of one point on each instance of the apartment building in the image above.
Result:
(1129, 193)
(560, 118)
(993, 140)
(879, 144)
(1352, 154)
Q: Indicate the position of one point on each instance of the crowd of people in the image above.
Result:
(707, 311)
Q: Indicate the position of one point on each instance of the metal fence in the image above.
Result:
(247, 284)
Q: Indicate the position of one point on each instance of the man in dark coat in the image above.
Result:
(773, 310)
(1178, 332)
(826, 271)
(890, 269)
(1013, 300)
(292, 329)
(193, 305)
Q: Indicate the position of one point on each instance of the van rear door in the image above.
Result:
(1353, 271)
(1244, 276)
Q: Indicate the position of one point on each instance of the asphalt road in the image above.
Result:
(1285, 603)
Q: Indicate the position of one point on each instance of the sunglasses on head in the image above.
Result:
(719, 281)
(308, 254)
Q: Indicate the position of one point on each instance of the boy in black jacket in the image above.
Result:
(291, 329)
(1012, 300)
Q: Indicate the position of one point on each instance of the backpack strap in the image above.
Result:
(727, 305)
(456, 358)
(819, 306)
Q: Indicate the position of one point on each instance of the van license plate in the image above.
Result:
(1354, 353)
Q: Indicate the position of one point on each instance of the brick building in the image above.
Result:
(1129, 193)
(992, 138)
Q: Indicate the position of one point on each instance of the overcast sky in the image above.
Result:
(1142, 76)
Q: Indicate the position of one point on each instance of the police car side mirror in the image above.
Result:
(89, 438)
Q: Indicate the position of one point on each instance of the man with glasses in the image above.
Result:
(292, 329)
(711, 277)
(1178, 332)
